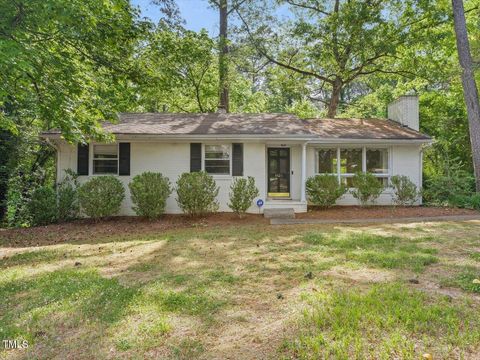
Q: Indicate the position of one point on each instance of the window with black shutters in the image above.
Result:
(105, 159)
(217, 159)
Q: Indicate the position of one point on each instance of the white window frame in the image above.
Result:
(230, 159)
(389, 170)
(364, 161)
(92, 158)
(317, 159)
(339, 162)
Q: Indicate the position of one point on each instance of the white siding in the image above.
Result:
(172, 159)
(404, 160)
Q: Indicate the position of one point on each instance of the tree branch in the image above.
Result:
(277, 62)
(307, 7)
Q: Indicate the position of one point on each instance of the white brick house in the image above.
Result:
(280, 151)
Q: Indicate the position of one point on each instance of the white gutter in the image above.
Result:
(309, 139)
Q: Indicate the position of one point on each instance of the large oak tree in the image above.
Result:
(337, 42)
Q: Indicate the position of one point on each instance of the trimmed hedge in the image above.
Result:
(197, 193)
(101, 196)
(324, 190)
(149, 192)
(367, 188)
(242, 193)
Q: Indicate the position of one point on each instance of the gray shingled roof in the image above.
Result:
(208, 124)
(362, 129)
(257, 124)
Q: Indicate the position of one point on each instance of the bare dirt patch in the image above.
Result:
(363, 275)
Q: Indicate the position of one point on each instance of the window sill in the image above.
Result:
(384, 192)
(221, 177)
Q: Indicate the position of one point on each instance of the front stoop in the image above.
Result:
(279, 213)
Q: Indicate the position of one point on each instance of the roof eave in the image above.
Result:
(278, 137)
(320, 140)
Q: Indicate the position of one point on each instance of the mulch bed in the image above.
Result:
(87, 230)
(376, 212)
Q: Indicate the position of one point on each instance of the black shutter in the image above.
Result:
(237, 160)
(82, 159)
(195, 157)
(124, 159)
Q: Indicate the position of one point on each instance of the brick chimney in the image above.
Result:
(404, 110)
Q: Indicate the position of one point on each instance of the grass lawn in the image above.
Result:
(250, 290)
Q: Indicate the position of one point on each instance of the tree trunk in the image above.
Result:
(335, 98)
(223, 59)
(470, 91)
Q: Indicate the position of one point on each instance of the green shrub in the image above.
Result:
(242, 193)
(465, 201)
(324, 190)
(101, 196)
(149, 192)
(367, 188)
(17, 210)
(67, 197)
(43, 206)
(21, 186)
(405, 191)
(197, 193)
(440, 189)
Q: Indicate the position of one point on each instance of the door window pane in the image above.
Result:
(377, 161)
(217, 159)
(350, 161)
(327, 161)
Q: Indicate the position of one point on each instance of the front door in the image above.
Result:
(279, 172)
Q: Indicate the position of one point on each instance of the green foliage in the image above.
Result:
(465, 201)
(404, 190)
(197, 193)
(17, 212)
(242, 193)
(303, 109)
(363, 39)
(101, 196)
(448, 184)
(149, 192)
(443, 116)
(67, 197)
(468, 279)
(43, 206)
(31, 168)
(53, 42)
(324, 190)
(367, 188)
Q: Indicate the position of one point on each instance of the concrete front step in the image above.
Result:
(279, 213)
(297, 205)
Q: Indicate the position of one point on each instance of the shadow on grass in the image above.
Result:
(54, 307)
